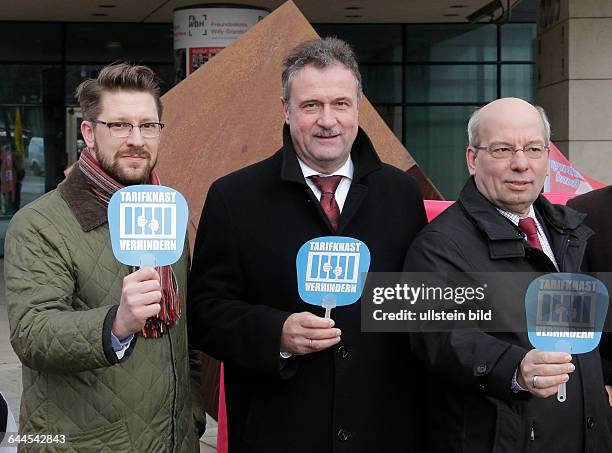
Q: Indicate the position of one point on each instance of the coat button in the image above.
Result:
(482, 387)
(590, 422)
(344, 435)
(481, 369)
(343, 352)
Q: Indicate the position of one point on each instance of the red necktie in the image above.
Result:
(327, 185)
(528, 226)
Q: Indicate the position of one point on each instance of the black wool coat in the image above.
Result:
(597, 205)
(360, 396)
(471, 405)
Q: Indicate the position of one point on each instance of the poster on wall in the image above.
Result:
(201, 32)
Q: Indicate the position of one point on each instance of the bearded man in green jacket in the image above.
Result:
(103, 346)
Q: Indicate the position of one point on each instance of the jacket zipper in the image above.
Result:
(532, 432)
(566, 243)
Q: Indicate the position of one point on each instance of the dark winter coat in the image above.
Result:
(471, 405)
(357, 397)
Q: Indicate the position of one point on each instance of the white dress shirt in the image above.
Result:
(546, 248)
(346, 171)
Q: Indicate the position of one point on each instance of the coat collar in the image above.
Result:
(365, 161)
(485, 215)
(89, 211)
(363, 154)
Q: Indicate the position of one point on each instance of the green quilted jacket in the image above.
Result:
(63, 285)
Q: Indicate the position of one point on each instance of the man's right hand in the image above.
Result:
(304, 333)
(549, 369)
(609, 392)
(140, 300)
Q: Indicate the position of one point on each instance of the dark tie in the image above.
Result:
(327, 185)
(528, 226)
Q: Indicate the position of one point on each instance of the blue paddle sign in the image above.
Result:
(331, 271)
(566, 313)
(147, 225)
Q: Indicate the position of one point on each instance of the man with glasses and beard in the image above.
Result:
(103, 345)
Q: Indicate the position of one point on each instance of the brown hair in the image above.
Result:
(115, 77)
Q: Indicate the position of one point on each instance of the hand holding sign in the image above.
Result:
(565, 314)
(147, 226)
(547, 370)
(304, 333)
(140, 300)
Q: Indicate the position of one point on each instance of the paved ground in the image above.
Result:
(10, 373)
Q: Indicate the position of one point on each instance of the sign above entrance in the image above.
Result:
(202, 32)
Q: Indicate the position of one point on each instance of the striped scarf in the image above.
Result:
(103, 186)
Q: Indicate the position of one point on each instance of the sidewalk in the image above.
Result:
(10, 373)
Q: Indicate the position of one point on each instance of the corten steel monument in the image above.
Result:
(228, 113)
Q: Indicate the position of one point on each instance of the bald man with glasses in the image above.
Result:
(492, 392)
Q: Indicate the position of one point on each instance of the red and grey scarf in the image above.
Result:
(104, 187)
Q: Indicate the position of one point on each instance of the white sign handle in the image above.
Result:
(562, 346)
(328, 302)
(147, 260)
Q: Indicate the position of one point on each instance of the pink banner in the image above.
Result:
(563, 177)
(222, 446)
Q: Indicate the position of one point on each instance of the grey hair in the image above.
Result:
(320, 53)
(474, 126)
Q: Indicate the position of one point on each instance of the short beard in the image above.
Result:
(113, 169)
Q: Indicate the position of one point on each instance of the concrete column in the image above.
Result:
(574, 83)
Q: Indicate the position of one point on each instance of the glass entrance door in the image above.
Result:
(74, 138)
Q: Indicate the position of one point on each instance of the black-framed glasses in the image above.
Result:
(121, 129)
(507, 152)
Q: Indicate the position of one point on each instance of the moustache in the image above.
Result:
(136, 153)
(326, 133)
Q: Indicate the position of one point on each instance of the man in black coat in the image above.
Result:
(492, 392)
(7, 427)
(598, 257)
(598, 207)
(295, 381)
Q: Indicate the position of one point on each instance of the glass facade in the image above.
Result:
(39, 71)
(424, 80)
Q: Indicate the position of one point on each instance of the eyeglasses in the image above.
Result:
(507, 152)
(120, 129)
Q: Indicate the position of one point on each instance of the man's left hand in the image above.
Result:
(304, 333)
